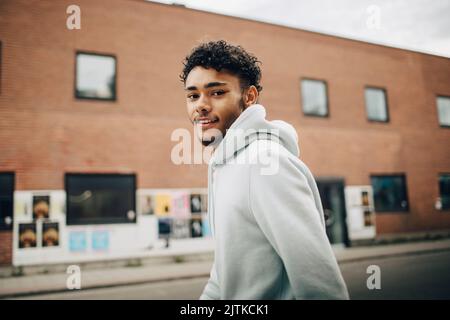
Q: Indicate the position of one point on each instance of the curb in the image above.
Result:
(100, 286)
(388, 255)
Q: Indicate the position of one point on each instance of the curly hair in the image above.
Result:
(222, 56)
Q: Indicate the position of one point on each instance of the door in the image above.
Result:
(333, 202)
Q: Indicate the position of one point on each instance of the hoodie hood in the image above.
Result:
(252, 125)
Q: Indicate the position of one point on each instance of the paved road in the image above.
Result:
(423, 276)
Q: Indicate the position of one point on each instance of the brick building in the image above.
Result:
(85, 109)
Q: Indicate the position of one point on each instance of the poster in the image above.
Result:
(50, 234)
(22, 204)
(163, 205)
(196, 203)
(180, 205)
(204, 204)
(147, 205)
(27, 235)
(368, 218)
(196, 227)
(41, 207)
(164, 227)
(361, 218)
(365, 198)
(77, 241)
(206, 232)
(181, 229)
(100, 240)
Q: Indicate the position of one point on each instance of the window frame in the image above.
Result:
(327, 99)
(81, 222)
(437, 109)
(114, 98)
(391, 175)
(386, 103)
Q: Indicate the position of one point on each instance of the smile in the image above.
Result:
(206, 123)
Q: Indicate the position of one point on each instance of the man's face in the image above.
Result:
(214, 101)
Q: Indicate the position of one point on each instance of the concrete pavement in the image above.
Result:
(177, 266)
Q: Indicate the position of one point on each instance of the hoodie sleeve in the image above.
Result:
(285, 210)
(211, 290)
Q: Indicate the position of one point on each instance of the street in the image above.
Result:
(419, 276)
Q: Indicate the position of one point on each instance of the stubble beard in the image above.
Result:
(211, 140)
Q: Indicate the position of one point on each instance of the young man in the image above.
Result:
(263, 204)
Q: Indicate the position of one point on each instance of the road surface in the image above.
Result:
(420, 276)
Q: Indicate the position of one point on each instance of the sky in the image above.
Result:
(419, 25)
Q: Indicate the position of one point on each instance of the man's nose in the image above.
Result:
(203, 105)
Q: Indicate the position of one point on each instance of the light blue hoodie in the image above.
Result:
(266, 217)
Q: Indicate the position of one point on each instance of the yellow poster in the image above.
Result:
(163, 204)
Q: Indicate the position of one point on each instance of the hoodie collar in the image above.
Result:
(252, 125)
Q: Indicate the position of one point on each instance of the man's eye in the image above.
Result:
(192, 96)
(218, 93)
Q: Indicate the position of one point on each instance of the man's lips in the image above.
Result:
(205, 123)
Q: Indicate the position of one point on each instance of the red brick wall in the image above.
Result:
(45, 131)
(5, 248)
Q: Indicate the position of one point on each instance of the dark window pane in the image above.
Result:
(390, 193)
(314, 97)
(444, 188)
(100, 198)
(95, 76)
(1, 48)
(443, 105)
(376, 105)
(6, 200)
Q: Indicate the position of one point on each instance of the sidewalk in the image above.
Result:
(178, 251)
(194, 265)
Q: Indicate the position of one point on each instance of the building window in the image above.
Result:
(390, 193)
(6, 200)
(100, 198)
(314, 97)
(95, 76)
(376, 104)
(443, 106)
(444, 189)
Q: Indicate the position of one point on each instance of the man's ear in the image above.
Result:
(250, 96)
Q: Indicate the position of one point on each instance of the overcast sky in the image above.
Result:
(421, 25)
